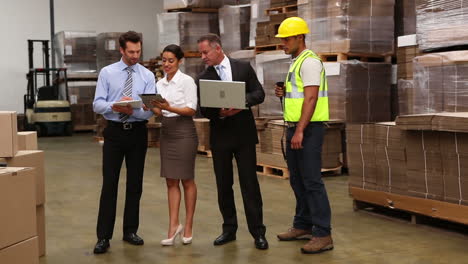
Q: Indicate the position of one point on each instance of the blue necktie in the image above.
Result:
(222, 73)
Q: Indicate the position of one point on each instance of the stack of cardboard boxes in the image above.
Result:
(273, 133)
(23, 222)
(434, 82)
(345, 26)
(441, 23)
(267, 29)
(76, 51)
(258, 14)
(184, 29)
(359, 92)
(154, 131)
(420, 156)
(440, 82)
(202, 126)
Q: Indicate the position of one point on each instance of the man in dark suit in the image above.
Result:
(233, 134)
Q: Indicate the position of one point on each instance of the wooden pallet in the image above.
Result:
(281, 10)
(337, 57)
(413, 205)
(270, 47)
(273, 171)
(192, 54)
(83, 127)
(194, 10)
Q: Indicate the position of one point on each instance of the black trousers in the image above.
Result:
(120, 144)
(246, 159)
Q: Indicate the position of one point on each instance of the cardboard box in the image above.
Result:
(34, 159)
(18, 206)
(360, 92)
(27, 140)
(8, 137)
(25, 252)
(202, 125)
(41, 230)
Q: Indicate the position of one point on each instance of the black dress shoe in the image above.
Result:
(224, 238)
(133, 239)
(261, 242)
(101, 246)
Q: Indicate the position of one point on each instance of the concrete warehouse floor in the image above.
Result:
(73, 182)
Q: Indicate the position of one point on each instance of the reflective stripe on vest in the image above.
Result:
(294, 97)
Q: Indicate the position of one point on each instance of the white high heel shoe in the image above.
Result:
(170, 241)
(187, 240)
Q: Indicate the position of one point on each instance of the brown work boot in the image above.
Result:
(295, 234)
(318, 245)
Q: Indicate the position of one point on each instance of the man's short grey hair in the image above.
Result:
(213, 39)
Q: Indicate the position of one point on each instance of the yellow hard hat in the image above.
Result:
(292, 26)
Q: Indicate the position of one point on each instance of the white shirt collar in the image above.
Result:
(225, 62)
(174, 79)
(124, 66)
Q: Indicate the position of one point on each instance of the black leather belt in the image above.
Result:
(127, 125)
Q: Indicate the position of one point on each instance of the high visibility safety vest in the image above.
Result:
(294, 97)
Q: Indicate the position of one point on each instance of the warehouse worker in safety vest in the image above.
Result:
(305, 110)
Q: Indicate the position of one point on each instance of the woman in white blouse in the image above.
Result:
(178, 141)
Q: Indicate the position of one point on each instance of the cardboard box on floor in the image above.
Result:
(41, 234)
(34, 159)
(25, 252)
(27, 140)
(8, 137)
(18, 206)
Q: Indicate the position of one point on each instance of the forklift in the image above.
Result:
(46, 102)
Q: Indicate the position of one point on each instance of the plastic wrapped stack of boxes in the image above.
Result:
(363, 26)
(234, 27)
(77, 52)
(416, 164)
(407, 50)
(22, 223)
(184, 29)
(434, 57)
(358, 91)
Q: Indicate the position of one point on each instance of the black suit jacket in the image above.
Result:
(240, 128)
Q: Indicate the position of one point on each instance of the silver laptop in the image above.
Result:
(222, 94)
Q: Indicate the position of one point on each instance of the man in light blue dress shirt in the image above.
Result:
(125, 137)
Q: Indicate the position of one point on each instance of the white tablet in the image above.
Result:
(133, 103)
